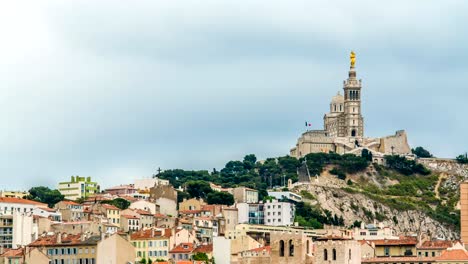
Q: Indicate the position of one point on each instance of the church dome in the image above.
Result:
(338, 98)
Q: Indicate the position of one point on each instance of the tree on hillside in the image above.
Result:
(200, 256)
(420, 152)
(220, 198)
(463, 159)
(120, 203)
(45, 195)
(249, 161)
(198, 189)
(366, 154)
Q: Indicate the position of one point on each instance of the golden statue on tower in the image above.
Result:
(352, 57)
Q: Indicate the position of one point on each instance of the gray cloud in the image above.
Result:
(114, 89)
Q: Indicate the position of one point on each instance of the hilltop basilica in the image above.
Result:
(344, 127)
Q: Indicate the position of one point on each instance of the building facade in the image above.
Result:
(279, 213)
(78, 187)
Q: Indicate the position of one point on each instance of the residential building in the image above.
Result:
(402, 247)
(145, 206)
(166, 197)
(112, 213)
(182, 235)
(435, 248)
(24, 256)
(191, 204)
(78, 187)
(182, 252)
(286, 196)
(8, 205)
(115, 250)
(164, 221)
(231, 219)
(151, 244)
(278, 213)
(464, 212)
(245, 195)
(337, 251)
(14, 194)
(374, 232)
(65, 248)
(250, 213)
(70, 211)
(147, 184)
(17, 230)
(129, 222)
(125, 189)
(47, 212)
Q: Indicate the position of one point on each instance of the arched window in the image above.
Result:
(340, 107)
(335, 107)
(291, 248)
(334, 254)
(350, 254)
(353, 133)
(281, 248)
(325, 254)
(307, 244)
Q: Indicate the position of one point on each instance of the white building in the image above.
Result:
(78, 187)
(278, 213)
(9, 205)
(146, 184)
(286, 195)
(250, 213)
(145, 206)
(374, 232)
(17, 230)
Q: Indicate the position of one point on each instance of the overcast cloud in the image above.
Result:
(114, 89)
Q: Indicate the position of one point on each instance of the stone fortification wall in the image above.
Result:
(399, 142)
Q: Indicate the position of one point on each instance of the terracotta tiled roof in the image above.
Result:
(184, 262)
(21, 201)
(13, 253)
(204, 248)
(130, 216)
(110, 207)
(150, 234)
(398, 259)
(441, 244)
(67, 240)
(454, 255)
(143, 212)
(183, 248)
(395, 242)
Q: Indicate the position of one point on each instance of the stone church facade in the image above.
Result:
(344, 127)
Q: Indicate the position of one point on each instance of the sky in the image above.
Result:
(116, 89)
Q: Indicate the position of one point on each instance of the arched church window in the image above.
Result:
(334, 254)
(307, 246)
(325, 254)
(335, 107)
(340, 107)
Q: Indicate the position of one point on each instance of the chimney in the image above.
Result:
(59, 238)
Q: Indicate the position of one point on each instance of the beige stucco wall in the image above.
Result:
(115, 250)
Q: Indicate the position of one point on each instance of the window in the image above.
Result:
(291, 248)
(281, 248)
(325, 254)
(387, 251)
(334, 254)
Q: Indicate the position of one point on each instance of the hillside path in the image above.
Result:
(442, 176)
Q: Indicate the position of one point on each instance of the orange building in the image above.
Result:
(464, 212)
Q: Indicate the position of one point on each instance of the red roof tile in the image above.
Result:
(150, 234)
(13, 253)
(183, 248)
(398, 259)
(21, 201)
(396, 242)
(130, 216)
(261, 249)
(454, 255)
(438, 244)
(204, 248)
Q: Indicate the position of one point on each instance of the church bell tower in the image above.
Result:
(354, 122)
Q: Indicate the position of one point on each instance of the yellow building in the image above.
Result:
(151, 244)
(403, 247)
(112, 214)
(191, 204)
(66, 248)
(13, 194)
